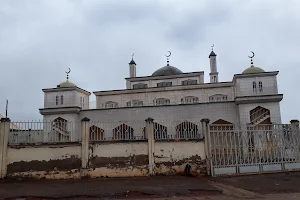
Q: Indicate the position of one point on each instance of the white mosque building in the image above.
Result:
(251, 97)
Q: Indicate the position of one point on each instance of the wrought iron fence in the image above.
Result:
(175, 130)
(117, 131)
(35, 132)
(254, 146)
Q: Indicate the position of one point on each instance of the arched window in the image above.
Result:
(96, 133)
(218, 98)
(123, 132)
(82, 101)
(164, 84)
(140, 86)
(61, 99)
(254, 86)
(57, 100)
(260, 115)
(190, 100)
(189, 82)
(162, 101)
(111, 104)
(60, 131)
(260, 86)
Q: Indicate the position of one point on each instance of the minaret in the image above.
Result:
(213, 66)
(132, 67)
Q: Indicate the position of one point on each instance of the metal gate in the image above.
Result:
(256, 149)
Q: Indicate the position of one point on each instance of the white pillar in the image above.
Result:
(214, 74)
(85, 142)
(150, 136)
(132, 69)
(4, 131)
(205, 131)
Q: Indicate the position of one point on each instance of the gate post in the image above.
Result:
(4, 131)
(85, 142)
(204, 124)
(150, 136)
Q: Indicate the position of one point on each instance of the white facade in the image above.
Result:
(251, 97)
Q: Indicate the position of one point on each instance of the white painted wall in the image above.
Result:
(175, 81)
(42, 153)
(70, 98)
(177, 151)
(119, 149)
(244, 86)
(175, 96)
(213, 111)
(244, 111)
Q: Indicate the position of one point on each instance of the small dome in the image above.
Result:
(66, 84)
(253, 70)
(132, 62)
(167, 71)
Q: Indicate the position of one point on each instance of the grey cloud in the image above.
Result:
(40, 39)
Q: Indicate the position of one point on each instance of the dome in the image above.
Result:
(66, 84)
(253, 70)
(166, 71)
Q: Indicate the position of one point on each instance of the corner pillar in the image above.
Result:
(150, 137)
(4, 131)
(295, 123)
(85, 142)
(205, 131)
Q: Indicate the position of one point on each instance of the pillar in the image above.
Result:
(85, 142)
(295, 123)
(205, 131)
(4, 131)
(150, 136)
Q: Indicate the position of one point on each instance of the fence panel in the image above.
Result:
(36, 132)
(117, 130)
(257, 149)
(177, 130)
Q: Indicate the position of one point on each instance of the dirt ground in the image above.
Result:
(136, 188)
(265, 183)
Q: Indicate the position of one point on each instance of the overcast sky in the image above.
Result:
(40, 39)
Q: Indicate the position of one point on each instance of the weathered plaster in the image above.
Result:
(41, 161)
(171, 157)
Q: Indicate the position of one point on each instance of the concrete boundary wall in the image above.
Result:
(101, 159)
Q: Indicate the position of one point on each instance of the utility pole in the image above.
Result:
(6, 108)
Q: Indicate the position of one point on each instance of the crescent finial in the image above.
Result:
(253, 54)
(251, 57)
(212, 47)
(168, 55)
(132, 55)
(68, 72)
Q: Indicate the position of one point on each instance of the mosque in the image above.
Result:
(251, 97)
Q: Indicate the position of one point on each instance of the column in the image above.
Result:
(150, 135)
(295, 124)
(205, 131)
(85, 142)
(4, 131)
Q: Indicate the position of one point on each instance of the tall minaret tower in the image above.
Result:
(214, 78)
(132, 67)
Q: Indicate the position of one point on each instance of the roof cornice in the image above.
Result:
(183, 75)
(66, 89)
(164, 89)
